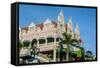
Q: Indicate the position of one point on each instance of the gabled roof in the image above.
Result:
(32, 25)
(47, 21)
(40, 26)
(25, 29)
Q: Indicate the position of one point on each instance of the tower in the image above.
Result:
(69, 25)
(77, 32)
(61, 22)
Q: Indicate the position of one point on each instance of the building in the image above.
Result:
(47, 35)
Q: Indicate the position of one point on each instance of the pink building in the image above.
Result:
(48, 33)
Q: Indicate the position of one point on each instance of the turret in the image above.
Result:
(61, 22)
(69, 25)
(77, 32)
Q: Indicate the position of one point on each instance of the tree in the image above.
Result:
(61, 52)
(68, 41)
(82, 51)
(26, 43)
(89, 54)
(23, 50)
(20, 44)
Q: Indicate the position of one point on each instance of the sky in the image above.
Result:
(84, 17)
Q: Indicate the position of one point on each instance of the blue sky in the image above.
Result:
(84, 17)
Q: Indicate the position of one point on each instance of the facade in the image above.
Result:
(47, 35)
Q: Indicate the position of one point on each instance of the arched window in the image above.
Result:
(34, 42)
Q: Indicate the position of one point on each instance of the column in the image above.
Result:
(45, 41)
(54, 52)
(54, 55)
(55, 40)
(37, 42)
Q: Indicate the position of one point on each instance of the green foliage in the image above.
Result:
(66, 38)
(20, 44)
(68, 41)
(26, 43)
(78, 53)
(89, 53)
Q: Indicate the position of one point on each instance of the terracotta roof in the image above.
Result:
(54, 23)
(40, 26)
(25, 28)
(65, 26)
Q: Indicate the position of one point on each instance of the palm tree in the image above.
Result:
(61, 51)
(67, 40)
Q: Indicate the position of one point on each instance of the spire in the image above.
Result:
(47, 21)
(77, 29)
(70, 26)
(61, 18)
(70, 20)
(31, 25)
(77, 32)
(61, 13)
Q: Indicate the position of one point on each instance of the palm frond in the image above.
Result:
(63, 41)
(74, 41)
(66, 37)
